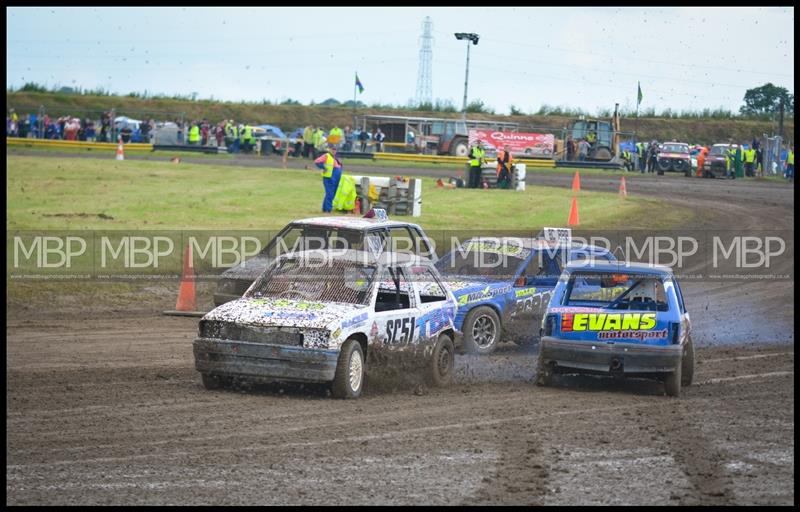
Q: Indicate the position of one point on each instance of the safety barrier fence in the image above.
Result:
(77, 144)
(397, 157)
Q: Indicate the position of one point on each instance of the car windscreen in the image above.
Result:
(718, 150)
(616, 290)
(483, 259)
(674, 148)
(315, 279)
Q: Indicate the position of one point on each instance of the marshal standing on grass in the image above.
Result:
(504, 168)
(331, 174)
(476, 157)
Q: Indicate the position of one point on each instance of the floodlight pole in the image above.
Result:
(474, 39)
(466, 81)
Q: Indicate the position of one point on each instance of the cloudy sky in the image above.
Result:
(579, 57)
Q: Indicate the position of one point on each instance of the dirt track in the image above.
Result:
(106, 408)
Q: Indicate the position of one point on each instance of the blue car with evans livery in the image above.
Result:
(503, 284)
(619, 319)
(327, 315)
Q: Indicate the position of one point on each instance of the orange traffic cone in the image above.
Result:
(573, 213)
(187, 298)
(576, 182)
(623, 192)
(120, 152)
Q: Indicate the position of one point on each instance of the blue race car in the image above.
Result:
(503, 285)
(619, 319)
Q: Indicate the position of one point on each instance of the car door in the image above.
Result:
(394, 332)
(533, 288)
(436, 307)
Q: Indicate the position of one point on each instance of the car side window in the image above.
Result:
(430, 289)
(533, 267)
(284, 242)
(680, 296)
(544, 268)
(394, 291)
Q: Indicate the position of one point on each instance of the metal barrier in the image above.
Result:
(77, 144)
(397, 157)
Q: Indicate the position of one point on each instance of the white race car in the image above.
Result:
(323, 316)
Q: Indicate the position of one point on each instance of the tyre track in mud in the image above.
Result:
(493, 442)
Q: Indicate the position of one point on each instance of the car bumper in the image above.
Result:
(716, 169)
(600, 356)
(674, 166)
(264, 361)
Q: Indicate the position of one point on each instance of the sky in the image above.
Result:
(685, 58)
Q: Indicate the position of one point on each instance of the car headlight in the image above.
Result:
(316, 338)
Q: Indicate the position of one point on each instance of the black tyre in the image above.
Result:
(544, 374)
(460, 147)
(349, 378)
(672, 382)
(482, 330)
(440, 371)
(211, 381)
(687, 364)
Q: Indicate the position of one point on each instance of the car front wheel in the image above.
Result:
(349, 378)
(544, 374)
(482, 330)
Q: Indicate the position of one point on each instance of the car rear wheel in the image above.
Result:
(672, 382)
(441, 366)
(544, 374)
(482, 330)
(349, 378)
(687, 364)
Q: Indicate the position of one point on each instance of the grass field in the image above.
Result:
(47, 193)
(74, 193)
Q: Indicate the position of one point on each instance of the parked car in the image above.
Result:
(269, 137)
(715, 164)
(503, 286)
(324, 316)
(674, 157)
(619, 319)
(375, 234)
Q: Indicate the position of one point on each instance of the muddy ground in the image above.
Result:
(103, 406)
